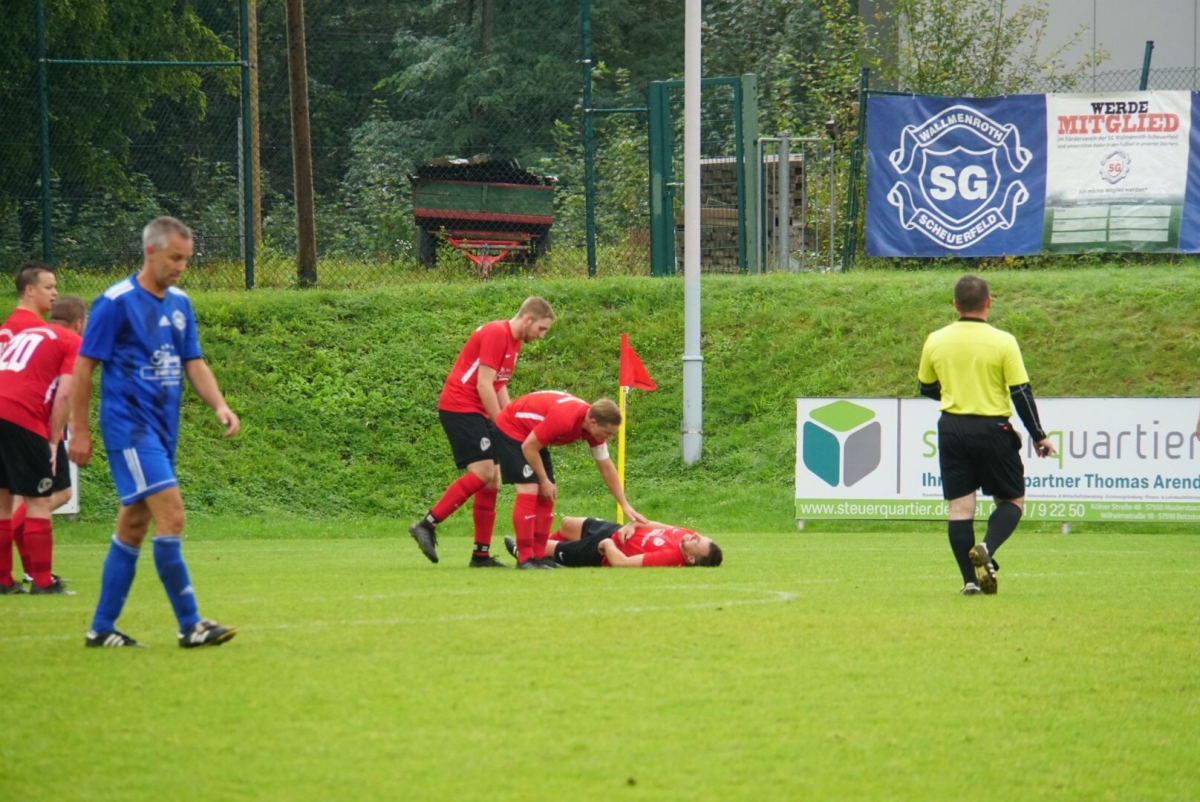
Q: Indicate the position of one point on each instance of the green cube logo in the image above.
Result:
(842, 443)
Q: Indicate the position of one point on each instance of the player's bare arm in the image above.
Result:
(205, 384)
(608, 472)
(485, 384)
(616, 558)
(80, 447)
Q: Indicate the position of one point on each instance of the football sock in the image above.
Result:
(523, 515)
(18, 533)
(39, 541)
(115, 580)
(541, 526)
(1001, 524)
(6, 547)
(962, 538)
(483, 512)
(173, 572)
(459, 491)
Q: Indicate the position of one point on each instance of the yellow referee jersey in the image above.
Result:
(975, 363)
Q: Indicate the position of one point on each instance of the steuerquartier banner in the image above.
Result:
(1030, 174)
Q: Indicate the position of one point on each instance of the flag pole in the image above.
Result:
(621, 452)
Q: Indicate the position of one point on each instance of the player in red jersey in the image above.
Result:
(472, 396)
(526, 429)
(35, 389)
(593, 543)
(37, 288)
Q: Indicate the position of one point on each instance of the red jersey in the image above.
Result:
(493, 345)
(554, 417)
(30, 366)
(661, 547)
(17, 322)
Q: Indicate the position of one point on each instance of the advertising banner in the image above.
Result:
(1119, 459)
(1026, 174)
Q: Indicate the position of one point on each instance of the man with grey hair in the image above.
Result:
(143, 332)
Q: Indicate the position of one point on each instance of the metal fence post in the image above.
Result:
(589, 166)
(783, 204)
(43, 81)
(247, 175)
(1146, 66)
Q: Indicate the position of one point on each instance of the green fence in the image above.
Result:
(392, 88)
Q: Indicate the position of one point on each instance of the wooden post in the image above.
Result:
(306, 231)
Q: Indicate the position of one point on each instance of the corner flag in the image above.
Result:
(632, 374)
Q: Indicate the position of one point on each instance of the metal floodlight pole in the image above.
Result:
(691, 428)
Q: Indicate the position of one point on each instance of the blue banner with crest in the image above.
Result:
(1026, 174)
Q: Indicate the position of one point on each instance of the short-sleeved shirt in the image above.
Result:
(975, 363)
(18, 321)
(142, 342)
(31, 363)
(492, 345)
(660, 547)
(553, 417)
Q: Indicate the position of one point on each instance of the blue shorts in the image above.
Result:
(141, 471)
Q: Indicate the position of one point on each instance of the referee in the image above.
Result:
(977, 374)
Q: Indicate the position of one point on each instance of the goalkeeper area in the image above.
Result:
(827, 665)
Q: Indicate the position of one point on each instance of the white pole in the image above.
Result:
(691, 429)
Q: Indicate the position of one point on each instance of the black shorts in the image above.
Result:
(514, 470)
(62, 469)
(25, 462)
(977, 452)
(470, 435)
(585, 552)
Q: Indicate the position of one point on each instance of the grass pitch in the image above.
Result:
(810, 665)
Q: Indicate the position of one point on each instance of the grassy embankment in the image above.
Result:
(337, 390)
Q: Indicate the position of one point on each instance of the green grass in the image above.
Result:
(814, 665)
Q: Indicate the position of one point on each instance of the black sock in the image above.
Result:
(429, 519)
(962, 538)
(1002, 523)
(481, 550)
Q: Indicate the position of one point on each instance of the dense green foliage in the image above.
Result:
(809, 666)
(337, 391)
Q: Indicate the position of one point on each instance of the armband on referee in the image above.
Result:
(933, 391)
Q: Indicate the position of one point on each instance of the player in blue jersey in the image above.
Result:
(142, 331)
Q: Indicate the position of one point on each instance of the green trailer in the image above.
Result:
(490, 211)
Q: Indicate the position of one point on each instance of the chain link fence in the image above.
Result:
(395, 96)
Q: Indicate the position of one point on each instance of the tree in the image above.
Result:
(96, 112)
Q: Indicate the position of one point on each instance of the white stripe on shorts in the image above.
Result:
(135, 468)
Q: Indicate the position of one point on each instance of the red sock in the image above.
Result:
(483, 511)
(541, 530)
(6, 544)
(40, 542)
(459, 491)
(18, 534)
(523, 515)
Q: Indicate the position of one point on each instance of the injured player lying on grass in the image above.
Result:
(595, 543)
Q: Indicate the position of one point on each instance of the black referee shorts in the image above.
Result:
(585, 552)
(977, 452)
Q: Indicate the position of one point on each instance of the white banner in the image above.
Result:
(1120, 459)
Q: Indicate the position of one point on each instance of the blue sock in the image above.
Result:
(172, 570)
(115, 580)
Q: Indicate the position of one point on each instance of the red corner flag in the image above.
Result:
(633, 372)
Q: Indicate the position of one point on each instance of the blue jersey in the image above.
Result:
(142, 343)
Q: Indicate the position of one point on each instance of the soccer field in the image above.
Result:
(809, 666)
